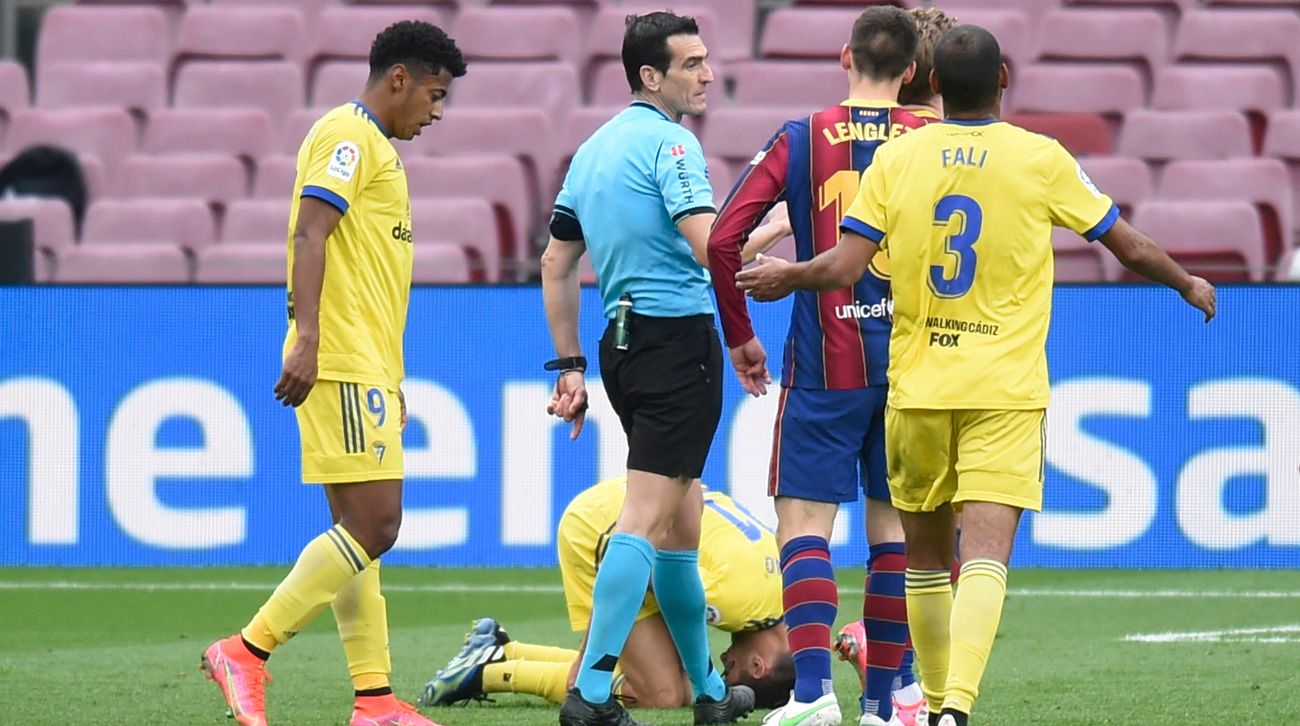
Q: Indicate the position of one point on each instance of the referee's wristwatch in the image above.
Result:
(566, 364)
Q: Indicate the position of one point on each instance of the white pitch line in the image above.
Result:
(1234, 635)
(467, 587)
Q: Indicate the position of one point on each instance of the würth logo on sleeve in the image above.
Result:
(678, 150)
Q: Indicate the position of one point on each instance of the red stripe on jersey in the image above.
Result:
(774, 466)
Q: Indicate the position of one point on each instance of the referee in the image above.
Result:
(637, 197)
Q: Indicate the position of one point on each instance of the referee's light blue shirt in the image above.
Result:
(628, 186)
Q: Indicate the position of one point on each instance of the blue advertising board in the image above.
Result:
(138, 427)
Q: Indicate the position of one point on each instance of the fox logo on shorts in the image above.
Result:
(379, 447)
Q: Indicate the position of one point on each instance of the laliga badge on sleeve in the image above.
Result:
(343, 162)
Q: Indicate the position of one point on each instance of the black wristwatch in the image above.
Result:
(570, 363)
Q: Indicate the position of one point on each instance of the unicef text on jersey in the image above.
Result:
(146, 433)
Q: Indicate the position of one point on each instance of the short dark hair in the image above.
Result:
(421, 47)
(931, 25)
(967, 61)
(773, 689)
(883, 42)
(645, 42)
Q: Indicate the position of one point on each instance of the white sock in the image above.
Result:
(909, 695)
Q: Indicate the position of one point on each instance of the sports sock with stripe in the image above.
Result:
(929, 610)
(976, 613)
(811, 602)
(884, 618)
(616, 597)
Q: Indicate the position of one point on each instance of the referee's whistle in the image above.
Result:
(622, 322)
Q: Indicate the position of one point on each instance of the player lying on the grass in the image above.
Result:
(742, 583)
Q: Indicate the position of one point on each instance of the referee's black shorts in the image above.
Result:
(667, 390)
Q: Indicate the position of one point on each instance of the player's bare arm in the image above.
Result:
(561, 291)
(1141, 254)
(838, 267)
(695, 228)
(316, 222)
(766, 235)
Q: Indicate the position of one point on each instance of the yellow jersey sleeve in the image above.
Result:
(1073, 201)
(866, 215)
(339, 160)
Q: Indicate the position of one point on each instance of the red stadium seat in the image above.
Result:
(499, 179)
(123, 263)
(1100, 34)
(1219, 240)
(105, 133)
(241, 264)
(345, 32)
(1264, 183)
(51, 217)
(441, 263)
(734, 21)
(806, 33)
(518, 33)
(242, 132)
(609, 86)
(92, 170)
(257, 221)
(1230, 88)
(1255, 3)
(1078, 260)
(184, 222)
(1077, 88)
(1168, 135)
(1126, 181)
(240, 33)
(466, 222)
(273, 87)
(489, 131)
(722, 176)
(213, 178)
(737, 134)
(550, 86)
(1240, 35)
(275, 177)
(138, 87)
(1283, 141)
(295, 127)
(310, 9)
(14, 94)
(816, 84)
(79, 34)
(1171, 8)
(1083, 134)
(1011, 28)
(338, 82)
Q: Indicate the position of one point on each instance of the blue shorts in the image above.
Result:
(827, 444)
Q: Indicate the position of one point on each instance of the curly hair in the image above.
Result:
(421, 47)
(931, 24)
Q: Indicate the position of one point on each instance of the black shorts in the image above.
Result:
(667, 390)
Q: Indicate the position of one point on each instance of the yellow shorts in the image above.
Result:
(581, 546)
(350, 432)
(939, 456)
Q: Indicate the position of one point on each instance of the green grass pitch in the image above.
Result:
(114, 646)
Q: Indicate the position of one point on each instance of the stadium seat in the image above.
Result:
(518, 33)
(184, 222)
(1283, 142)
(1011, 28)
(497, 178)
(1255, 3)
(550, 86)
(295, 127)
(92, 171)
(310, 9)
(123, 263)
(242, 132)
(14, 94)
(441, 263)
(257, 221)
(1264, 183)
(1168, 135)
(722, 176)
(274, 87)
(80, 34)
(801, 33)
(1078, 260)
(465, 222)
(337, 82)
(1078, 88)
(1240, 35)
(105, 133)
(1288, 267)
(814, 84)
(736, 134)
(139, 87)
(1033, 10)
(1126, 181)
(214, 178)
(1211, 238)
(605, 38)
(51, 217)
(240, 33)
(581, 123)
(489, 131)
(345, 32)
(734, 38)
(275, 177)
(1083, 134)
(241, 264)
(1131, 35)
(608, 86)
(1213, 87)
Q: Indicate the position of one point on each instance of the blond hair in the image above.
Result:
(931, 25)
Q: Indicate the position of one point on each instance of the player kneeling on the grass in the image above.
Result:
(742, 584)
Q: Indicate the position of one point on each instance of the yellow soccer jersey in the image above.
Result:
(348, 161)
(965, 211)
(739, 559)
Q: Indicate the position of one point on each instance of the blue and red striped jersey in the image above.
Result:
(838, 339)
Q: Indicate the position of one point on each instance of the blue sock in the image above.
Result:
(906, 676)
(884, 616)
(811, 601)
(616, 598)
(680, 595)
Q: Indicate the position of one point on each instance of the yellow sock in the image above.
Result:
(515, 650)
(362, 616)
(976, 612)
(539, 678)
(325, 565)
(929, 609)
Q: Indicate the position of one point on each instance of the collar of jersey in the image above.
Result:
(370, 115)
(657, 110)
(869, 103)
(971, 122)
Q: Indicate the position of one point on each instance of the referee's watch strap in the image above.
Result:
(568, 363)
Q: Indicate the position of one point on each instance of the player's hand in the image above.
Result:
(765, 281)
(299, 374)
(1200, 295)
(750, 361)
(569, 400)
(401, 398)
